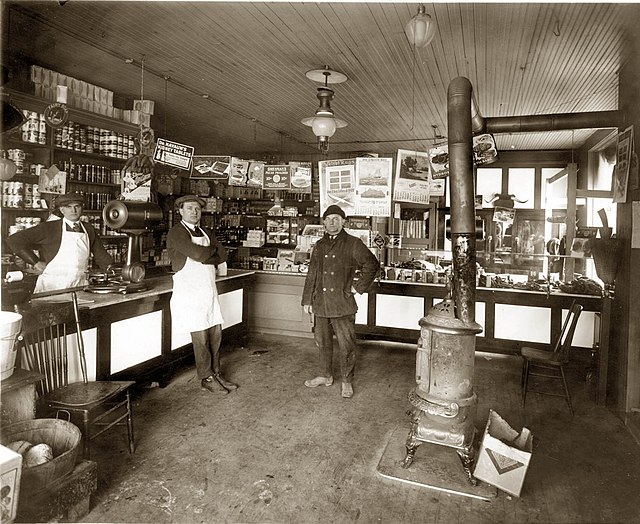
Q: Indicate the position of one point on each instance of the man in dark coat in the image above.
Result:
(329, 290)
(64, 247)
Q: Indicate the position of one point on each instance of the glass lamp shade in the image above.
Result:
(324, 126)
(421, 29)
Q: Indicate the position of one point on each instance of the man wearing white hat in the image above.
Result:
(64, 247)
(195, 253)
(328, 294)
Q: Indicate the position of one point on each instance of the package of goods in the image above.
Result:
(10, 474)
(255, 238)
(144, 106)
(504, 455)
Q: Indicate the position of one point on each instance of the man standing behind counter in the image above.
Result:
(328, 294)
(64, 247)
(195, 253)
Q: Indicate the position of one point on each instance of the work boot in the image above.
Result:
(318, 381)
(224, 382)
(347, 390)
(213, 386)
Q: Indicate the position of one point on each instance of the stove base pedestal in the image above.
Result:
(433, 466)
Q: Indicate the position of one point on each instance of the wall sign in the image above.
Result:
(173, 154)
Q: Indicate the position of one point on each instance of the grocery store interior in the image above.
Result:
(484, 153)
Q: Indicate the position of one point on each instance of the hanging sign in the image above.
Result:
(173, 154)
(277, 177)
(373, 186)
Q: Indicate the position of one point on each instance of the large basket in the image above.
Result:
(605, 257)
(64, 439)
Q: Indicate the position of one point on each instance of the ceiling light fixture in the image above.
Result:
(324, 123)
(421, 29)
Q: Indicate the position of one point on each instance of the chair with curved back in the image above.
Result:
(94, 406)
(551, 364)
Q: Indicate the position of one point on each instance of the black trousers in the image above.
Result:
(206, 348)
(345, 331)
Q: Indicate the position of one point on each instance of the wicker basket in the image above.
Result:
(605, 256)
(64, 439)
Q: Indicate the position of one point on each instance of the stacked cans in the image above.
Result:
(34, 130)
(89, 139)
(24, 223)
(20, 195)
(18, 156)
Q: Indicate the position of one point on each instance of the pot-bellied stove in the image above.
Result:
(444, 403)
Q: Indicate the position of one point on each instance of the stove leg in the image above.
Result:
(466, 457)
(412, 443)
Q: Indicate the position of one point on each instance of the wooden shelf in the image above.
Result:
(80, 116)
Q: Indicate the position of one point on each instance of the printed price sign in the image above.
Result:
(173, 154)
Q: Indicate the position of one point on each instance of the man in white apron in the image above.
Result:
(64, 247)
(195, 253)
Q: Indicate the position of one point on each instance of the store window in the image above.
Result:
(488, 183)
(521, 182)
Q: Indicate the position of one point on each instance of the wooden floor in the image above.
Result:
(275, 451)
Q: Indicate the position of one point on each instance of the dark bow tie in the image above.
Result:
(197, 232)
(75, 228)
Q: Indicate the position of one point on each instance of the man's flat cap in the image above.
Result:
(70, 198)
(189, 198)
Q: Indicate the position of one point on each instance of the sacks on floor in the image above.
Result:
(504, 455)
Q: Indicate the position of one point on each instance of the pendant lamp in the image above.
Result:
(324, 123)
(421, 29)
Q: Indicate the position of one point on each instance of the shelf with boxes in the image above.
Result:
(90, 148)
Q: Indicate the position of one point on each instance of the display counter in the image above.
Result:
(131, 337)
(391, 310)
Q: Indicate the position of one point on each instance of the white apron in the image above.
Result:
(194, 303)
(69, 267)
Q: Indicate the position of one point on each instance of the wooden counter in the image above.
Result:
(392, 309)
(130, 336)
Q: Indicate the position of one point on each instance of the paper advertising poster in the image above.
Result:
(211, 167)
(300, 177)
(173, 154)
(276, 177)
(412, 177)
(484, 150)
(255, 174)
(439, 162)
(621, 170)
(338, 184)
(238, 172)
(373, 186)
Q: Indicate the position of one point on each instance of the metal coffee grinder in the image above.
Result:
(134, 219)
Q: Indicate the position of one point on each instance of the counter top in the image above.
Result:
(156, 286)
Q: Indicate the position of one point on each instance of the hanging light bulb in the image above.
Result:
(324, 123)
(421, 29)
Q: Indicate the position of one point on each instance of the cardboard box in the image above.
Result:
(10, 473)
(144, 106)
(504, 455)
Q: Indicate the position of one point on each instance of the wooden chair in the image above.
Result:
(551, 363)
(94, 406)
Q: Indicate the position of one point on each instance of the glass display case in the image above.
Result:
(281, 231)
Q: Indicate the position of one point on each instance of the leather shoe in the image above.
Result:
(347, 390)
(318, 381)
(213, 386)
(224, 382)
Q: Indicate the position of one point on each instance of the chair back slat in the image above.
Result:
(44, 349)
(564, 341)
